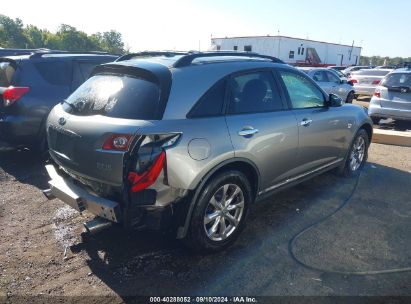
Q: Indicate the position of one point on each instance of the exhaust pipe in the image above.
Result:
(47, 193)
(96, 225)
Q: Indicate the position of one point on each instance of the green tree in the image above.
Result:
(111, 41)
(11, 33)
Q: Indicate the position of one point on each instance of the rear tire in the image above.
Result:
(220, 212)
(350, 97)
(357, 155)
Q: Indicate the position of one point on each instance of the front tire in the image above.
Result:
(357, 155)
(220, 212)
(350, 97)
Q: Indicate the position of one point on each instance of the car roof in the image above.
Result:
(172, 59)
(41, 55)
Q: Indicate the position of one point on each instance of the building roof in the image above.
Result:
(288, 37)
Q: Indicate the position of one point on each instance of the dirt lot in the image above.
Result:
(371, 233)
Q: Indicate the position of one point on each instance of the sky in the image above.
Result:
(380, 27)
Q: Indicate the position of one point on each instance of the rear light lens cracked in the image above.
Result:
(150, 160)
(146, 179)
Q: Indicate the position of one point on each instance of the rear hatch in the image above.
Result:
(395, 91)
(112, 106)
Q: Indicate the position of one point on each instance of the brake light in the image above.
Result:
(354, 80)
(12, 94)
(118, 142)
(377, 93)
(142, 181)
(376, 82)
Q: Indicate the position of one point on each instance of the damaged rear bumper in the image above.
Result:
(80, 199)
(141, 215)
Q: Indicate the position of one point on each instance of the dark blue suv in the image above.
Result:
(31, 85)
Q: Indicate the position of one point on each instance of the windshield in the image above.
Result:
(397, 80)
(118, 96)
(6, 73)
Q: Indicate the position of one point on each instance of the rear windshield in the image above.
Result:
(118, 96)
(397, 80)
(370, 72)
(6, 73)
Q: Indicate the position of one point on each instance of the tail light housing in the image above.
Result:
(150, 160)
(13, 94)
(353, 80)
(377, 93)
(376, 82)
(147, 178)
(118, 142)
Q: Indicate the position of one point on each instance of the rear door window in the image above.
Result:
(55, 72)
(254, 93)
(119, 96)
(7, 70)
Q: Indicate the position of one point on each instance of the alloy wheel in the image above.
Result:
(357, 153)
(224, 212)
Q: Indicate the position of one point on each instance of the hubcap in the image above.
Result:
(357, 153)
(224, 211)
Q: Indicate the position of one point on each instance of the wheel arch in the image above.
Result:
(368, 128)
(245, 166)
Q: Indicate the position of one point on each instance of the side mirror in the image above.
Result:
(334, 101)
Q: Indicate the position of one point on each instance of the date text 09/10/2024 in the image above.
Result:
(203, 300)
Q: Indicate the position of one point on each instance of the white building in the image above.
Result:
(292, 50)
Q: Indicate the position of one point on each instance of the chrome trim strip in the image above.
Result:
(299, 176)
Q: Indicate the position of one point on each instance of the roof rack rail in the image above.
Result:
(188, 59)
(153, 53)
(41, 52)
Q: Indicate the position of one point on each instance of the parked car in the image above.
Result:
(365, 81)
(355, 68)
(192, 140)
(337, 68)
(331, 83)
(392, 98)
(31, 85)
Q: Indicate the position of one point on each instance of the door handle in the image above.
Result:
(306, 122)
(247, 132)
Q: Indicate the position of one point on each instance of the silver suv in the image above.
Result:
(191, 140)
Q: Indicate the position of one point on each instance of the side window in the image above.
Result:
(303, 93)
(320, 76)
(55, 72)
(211, 104)
(253, 93)
(333, 78)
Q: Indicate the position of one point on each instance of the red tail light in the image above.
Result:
(12, 94)
(118, 142)
(376, 82)
(377, 93)
(354, 80)
(146, 179)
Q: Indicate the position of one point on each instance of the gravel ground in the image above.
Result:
(42, 251)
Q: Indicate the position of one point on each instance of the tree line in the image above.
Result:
(14, 34)
(378, 60)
